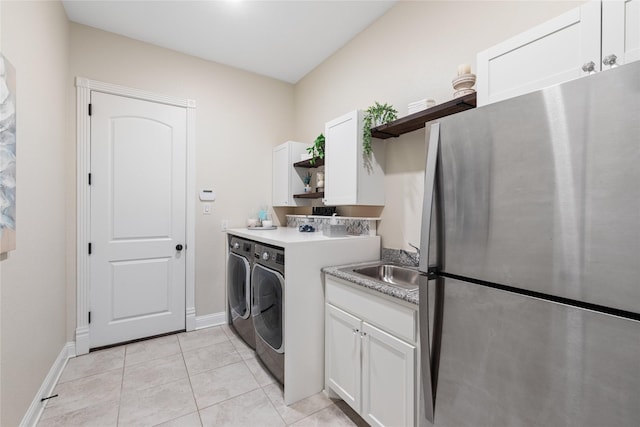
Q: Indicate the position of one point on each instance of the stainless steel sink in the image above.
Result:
(395, 275)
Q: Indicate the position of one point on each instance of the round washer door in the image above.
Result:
(238, 286)
(268, 306)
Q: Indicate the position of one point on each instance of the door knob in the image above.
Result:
(178, 247)
(589, 67)
(610, 61)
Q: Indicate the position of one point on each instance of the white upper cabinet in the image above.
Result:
(621, 30)
(287, 180)
(351, 177)
(567, 47)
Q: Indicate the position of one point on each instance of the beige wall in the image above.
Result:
(410, 53)
(240, 117)
(35, 38)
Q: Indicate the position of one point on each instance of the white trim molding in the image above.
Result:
(210, 320)
(84, 87)
(36, 408)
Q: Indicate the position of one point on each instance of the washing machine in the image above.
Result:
(239, 265)
(267, 310)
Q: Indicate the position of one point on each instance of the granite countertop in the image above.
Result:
(343, 272)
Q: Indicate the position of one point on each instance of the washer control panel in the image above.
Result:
(270, 256)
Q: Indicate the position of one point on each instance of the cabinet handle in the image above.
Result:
(589, 67)
(610, 60)
(364, 334)
(355, 331)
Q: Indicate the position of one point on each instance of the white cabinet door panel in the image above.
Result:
(341, 164)
(550, 53)
(343, 346)
(281, 167)
(621, 30)
(287, 180)
(388, 379)
(352, 178)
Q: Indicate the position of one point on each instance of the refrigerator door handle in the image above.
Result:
(429, 195)
(427, 388)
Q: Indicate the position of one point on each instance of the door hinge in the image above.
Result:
(89, 248)
(89, 109)
(89, 317)
(89, 179)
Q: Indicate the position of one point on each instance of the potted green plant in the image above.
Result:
(317, 149)
(307, 182)
(375, 115)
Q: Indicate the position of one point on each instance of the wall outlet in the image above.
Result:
(224, 225)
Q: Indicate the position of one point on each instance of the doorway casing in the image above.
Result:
(84, 87)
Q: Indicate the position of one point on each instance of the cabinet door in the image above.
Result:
(551, 53)
(280, 191)
(341, 160)
(342, 355)
(621, 30)
(388, 379)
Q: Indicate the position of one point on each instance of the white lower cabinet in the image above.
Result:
(343, 361)
(369, 367)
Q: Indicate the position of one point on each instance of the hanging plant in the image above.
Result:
(317, 149)
(376, 115)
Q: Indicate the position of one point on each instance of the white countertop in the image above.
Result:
(283, 236)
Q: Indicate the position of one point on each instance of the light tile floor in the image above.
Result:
(208, 377)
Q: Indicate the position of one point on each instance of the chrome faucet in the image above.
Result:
(413, 256)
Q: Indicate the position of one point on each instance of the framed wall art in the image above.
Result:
(7, 155)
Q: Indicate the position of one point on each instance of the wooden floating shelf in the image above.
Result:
(307, 163)
(318, 195)
(417, 120)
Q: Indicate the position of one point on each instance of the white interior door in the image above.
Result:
(138, 205)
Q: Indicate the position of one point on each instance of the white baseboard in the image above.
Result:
(209, 320)
(190, 323)
(34, 412)
(82, 340)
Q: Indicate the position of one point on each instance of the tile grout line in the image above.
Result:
(124, 359)
(154, 358)
(193, 394)
(228, 398)
(229, 364)
(261, 388)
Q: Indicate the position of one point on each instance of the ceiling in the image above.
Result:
(280, 39)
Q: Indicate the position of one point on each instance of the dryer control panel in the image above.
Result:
(241, 246)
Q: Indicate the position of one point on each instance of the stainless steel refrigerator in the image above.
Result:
(530, 303)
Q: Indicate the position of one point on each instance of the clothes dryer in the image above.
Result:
(239, 264)
(268, 282)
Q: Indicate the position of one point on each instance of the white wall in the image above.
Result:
(240, 117)
(410, 53)
(33, 305)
